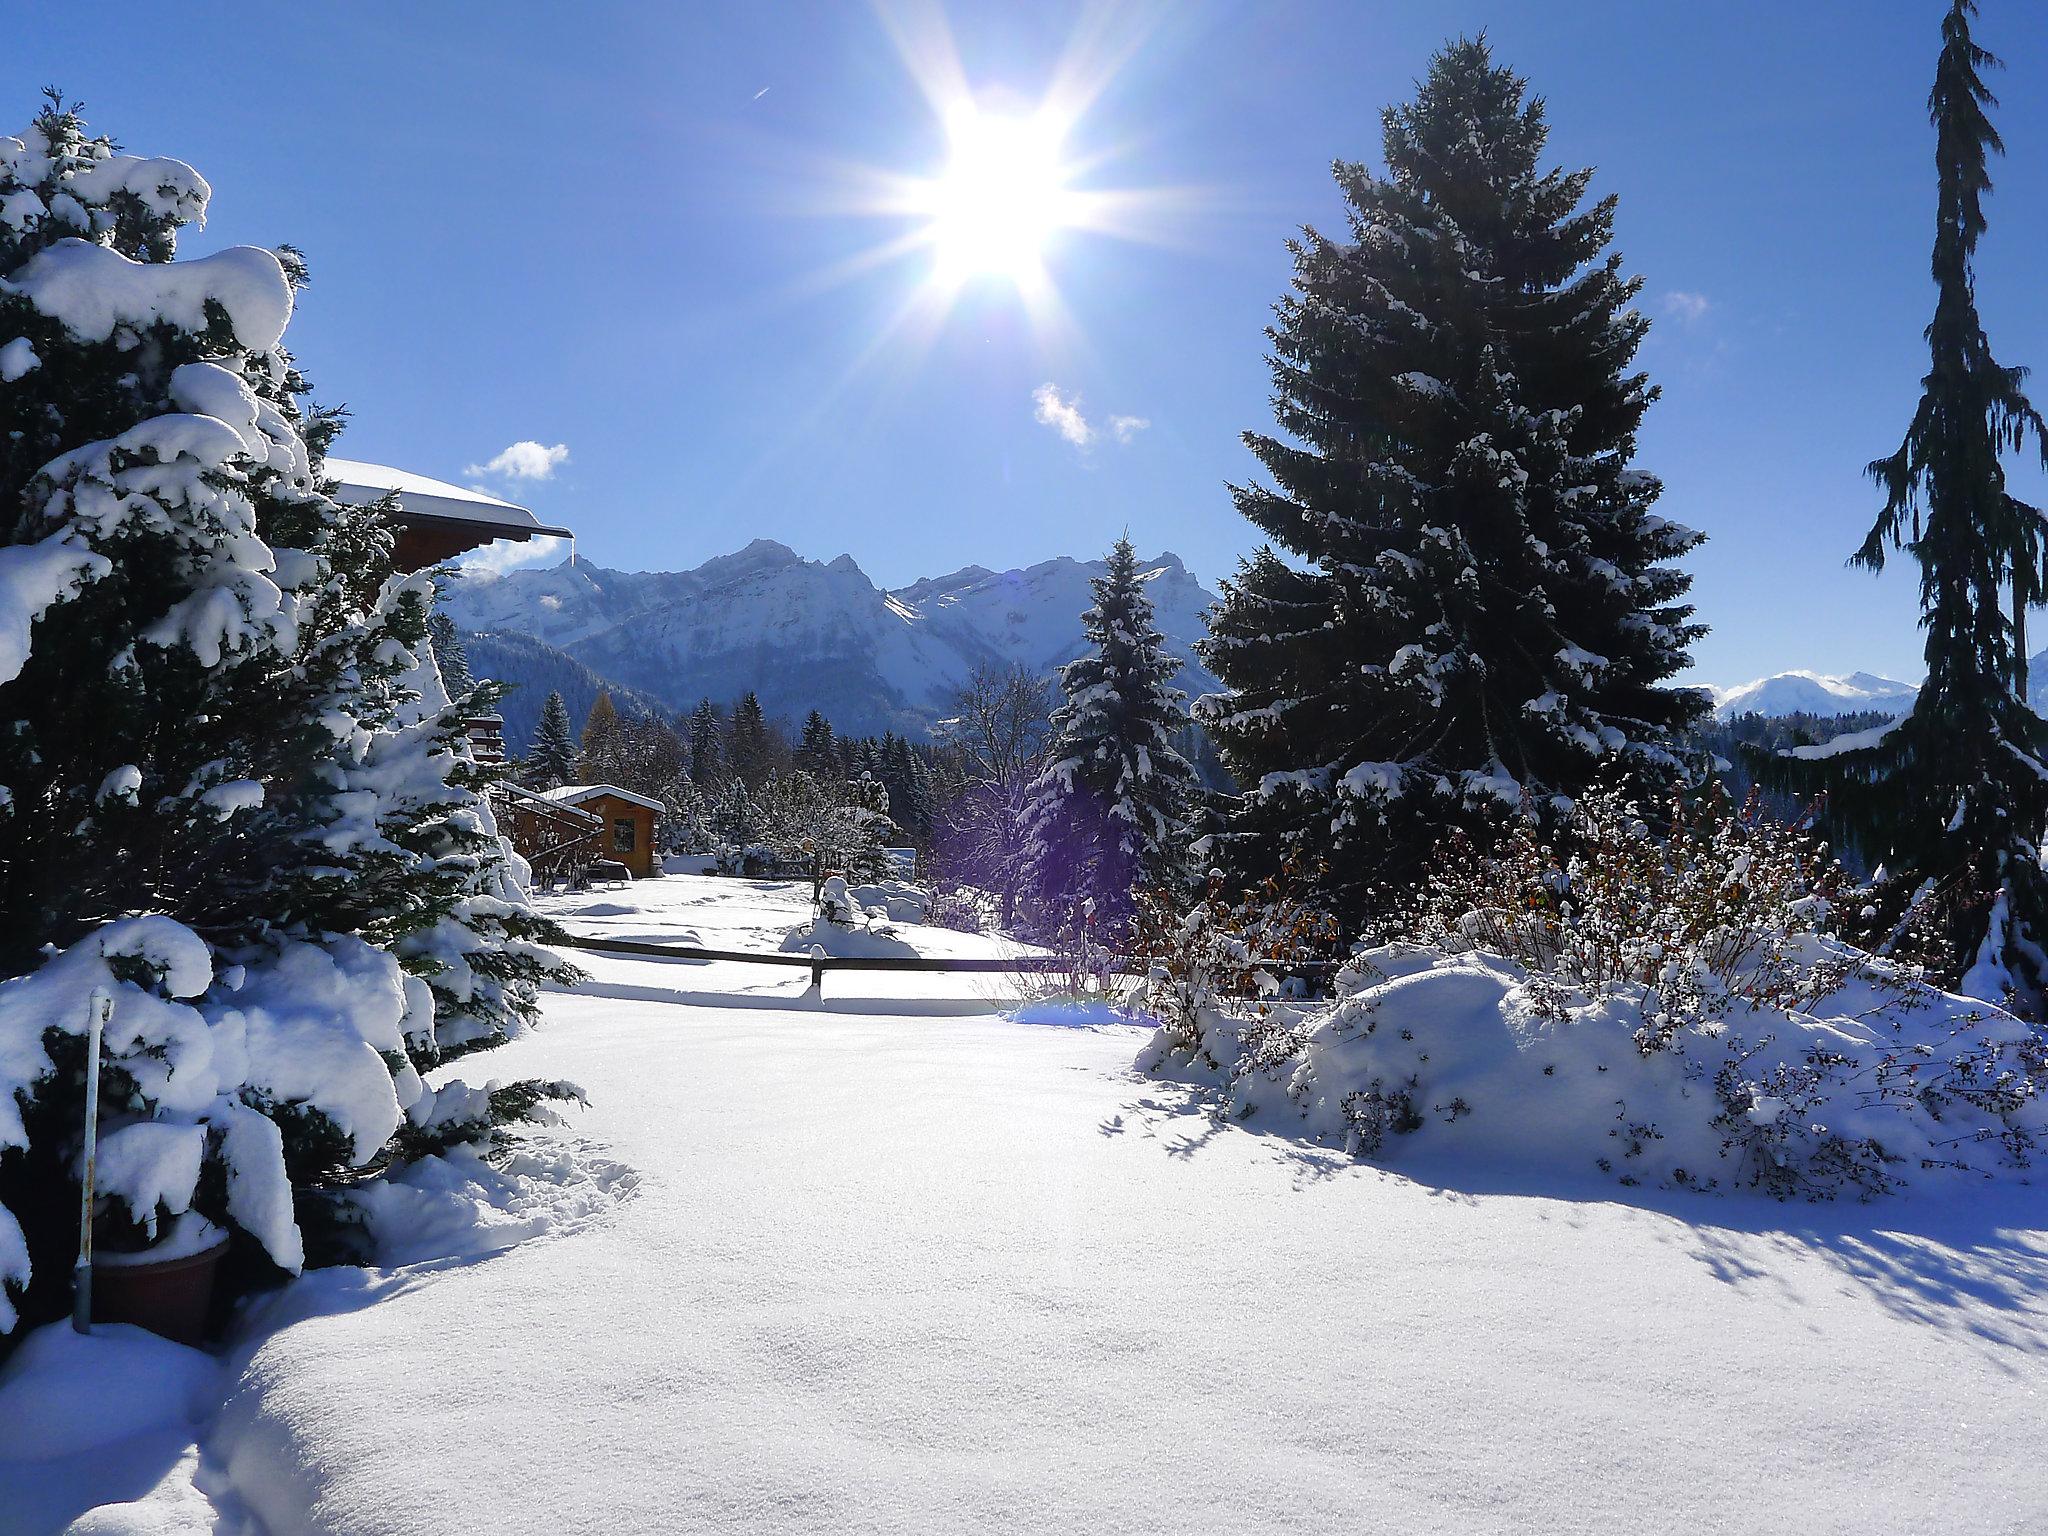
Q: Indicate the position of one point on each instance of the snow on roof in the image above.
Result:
(423, 496)
(572, 794)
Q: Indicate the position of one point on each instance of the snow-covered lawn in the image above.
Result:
(863, 1267)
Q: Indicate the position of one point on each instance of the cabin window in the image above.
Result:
(622, 835)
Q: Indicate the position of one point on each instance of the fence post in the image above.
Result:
(100, 1008)
(818, 970)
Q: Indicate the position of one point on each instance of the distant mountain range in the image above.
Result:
(1820, 693)
(807, 634)
(1814, 693)
(802, 634)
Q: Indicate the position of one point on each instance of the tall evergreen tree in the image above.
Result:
(815, 752)
(707, 746)
(748, 748)
(1481, 609)
(1107, 812)
(237, 797)
(1954, 798)
(552, 762)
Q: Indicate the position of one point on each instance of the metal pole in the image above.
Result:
(101, 1008)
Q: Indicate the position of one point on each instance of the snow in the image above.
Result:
(423, 496)
(32, 577)
(1850, 741)
(151, 1163)
(864, 1266)
(1072, 1013)
(93, 291)
(17, 360)
(576, 794)
(821, 936)
(357, 476)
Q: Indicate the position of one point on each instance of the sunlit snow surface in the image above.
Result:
(892, 1262)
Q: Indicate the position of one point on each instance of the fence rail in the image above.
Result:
(818, 965)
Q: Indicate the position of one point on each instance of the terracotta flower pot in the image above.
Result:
(169, 1295)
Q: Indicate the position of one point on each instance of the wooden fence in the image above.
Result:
(818, 965)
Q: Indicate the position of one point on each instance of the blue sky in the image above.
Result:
(635, 230)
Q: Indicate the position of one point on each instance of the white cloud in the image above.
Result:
(525, 460)
(504, 555)
(1686, 307)
(1063, 416)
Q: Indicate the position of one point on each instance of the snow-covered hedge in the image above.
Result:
(1667, 1006)
(1878, 1083)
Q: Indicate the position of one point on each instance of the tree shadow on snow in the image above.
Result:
(1972, 1261)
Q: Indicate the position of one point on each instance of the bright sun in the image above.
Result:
(1000, 199)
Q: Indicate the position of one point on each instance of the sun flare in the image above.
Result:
(1001, 198)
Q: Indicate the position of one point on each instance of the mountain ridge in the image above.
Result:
(806, 634)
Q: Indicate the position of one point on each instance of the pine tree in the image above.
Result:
(238, 800)
(816, 753)
(707, 746)
(1480, 612)
(748, 748)
(1106, 813)
(1953, 799)
(600, 740)
(552, 762)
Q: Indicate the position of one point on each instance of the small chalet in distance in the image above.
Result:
(628, 835)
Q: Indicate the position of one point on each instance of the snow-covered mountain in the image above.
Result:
(806, 635)
(1814, 693)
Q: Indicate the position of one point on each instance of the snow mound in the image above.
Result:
(1469, 1058)
(841, 943)
(63, 1392)
(899, 900)
(465, 1204)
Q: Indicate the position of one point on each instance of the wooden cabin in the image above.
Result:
(628, 835)
(436, 521)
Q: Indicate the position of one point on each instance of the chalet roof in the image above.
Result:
(575, 794)
(422, 499)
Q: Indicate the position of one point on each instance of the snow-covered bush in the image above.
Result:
(841, 926)
(1665, 1005)
(1225, 956)
(234, 794)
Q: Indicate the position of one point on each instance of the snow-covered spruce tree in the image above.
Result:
(1480, 609)
(552, 760)
(1107, 812)
(816, 751)
(748, 748)
(234, 799)
(1952, 800)
(706, 738)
